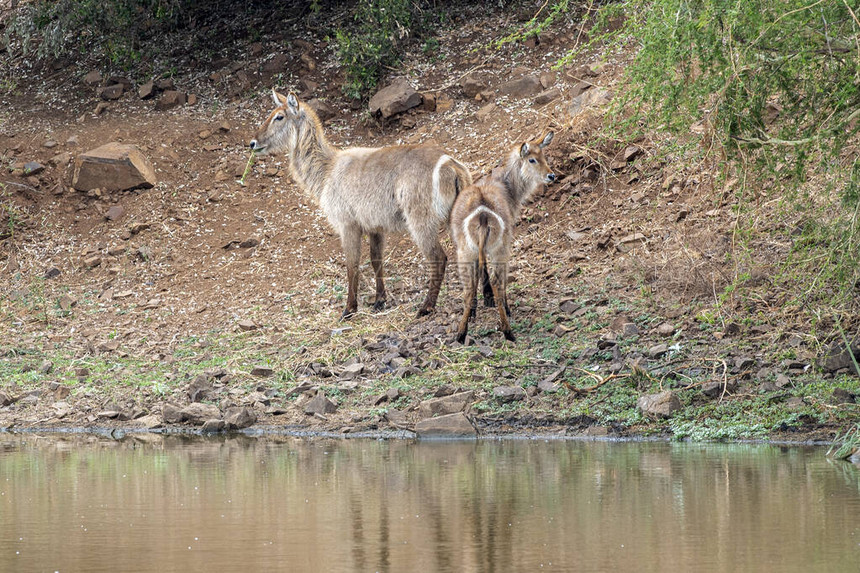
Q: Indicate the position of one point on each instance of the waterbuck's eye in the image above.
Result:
(532, 160)
(279, 117)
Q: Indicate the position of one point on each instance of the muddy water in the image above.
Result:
(167, 503)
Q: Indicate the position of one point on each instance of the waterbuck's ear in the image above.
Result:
(546, 139)
(278, 98)
(293, 103)
(524, 150)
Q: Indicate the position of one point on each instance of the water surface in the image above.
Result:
(277, 503)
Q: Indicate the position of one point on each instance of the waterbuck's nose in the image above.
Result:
(253, 144)
(550, 177)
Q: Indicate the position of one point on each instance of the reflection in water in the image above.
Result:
(168, 503)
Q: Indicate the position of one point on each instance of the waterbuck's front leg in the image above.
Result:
(377, 246)
(350, 239)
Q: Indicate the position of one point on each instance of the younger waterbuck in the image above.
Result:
(368, 191)
(482, 226)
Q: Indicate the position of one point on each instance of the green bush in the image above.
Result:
(770, 88)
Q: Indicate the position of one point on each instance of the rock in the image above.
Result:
(714, 389)
(239, 418)
(521, 87)
(398, 419)
(547, 79)
(200, 389)
(165, 84)
(506, 394)
(52, 273)
(592, 98)
(429, 101)
(149, 422)
(838, 357)
(446, 404)
(323, 110)
(6, 398)
(782, 381)
(93, 78)
(147, 90)
(262, 371)
(115, 212)
(352, 371)
(33, 168)
(113, 167)
(247, 325)
(213, 426)
(111, 92)
(472, 85)
(171, 99)
(307, 87)
(485, 112)
(547, 96)
(276, 64)
(842, 396)
(62, 409)
(92, 262)
(549, 384)
(661, 405)
(393, 394)
(66, 303)
(198, 413)
(666, 329)
(319, 404)
(449, 426)
(45, 367)
(61, 159)
(657, 351)
(171, 414)
(394, 99)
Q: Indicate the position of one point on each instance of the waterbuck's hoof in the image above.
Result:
(510, 336)
(461, 337)
(473, 312)
(347, 313)
(378, 305)
(424, 312)
(507, 310)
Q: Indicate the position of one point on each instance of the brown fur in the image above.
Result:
(482, 225)
(368, 191)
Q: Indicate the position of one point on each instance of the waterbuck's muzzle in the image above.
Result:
(255, 145)
(550, 177)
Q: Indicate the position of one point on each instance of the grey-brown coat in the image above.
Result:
(482, 226)
(368, 191)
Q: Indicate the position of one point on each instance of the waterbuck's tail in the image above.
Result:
(483, 227)
(449, 178)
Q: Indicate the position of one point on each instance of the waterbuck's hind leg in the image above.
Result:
(489, 299)
(351, 241)
(377, 246)
(468, 274)
(437, 260)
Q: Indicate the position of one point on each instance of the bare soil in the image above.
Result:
(203, 275)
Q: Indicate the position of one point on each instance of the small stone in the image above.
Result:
(171, 414)
(485, 112)
(45, 367)
(111, 92)
(715, 388)
(547, 96)
(782, 381)
(213, 426)
(66, 303)
(262, 371)
(198, 413)
(33, 168)
(147, 90)
(113, 166)
(115, 212)
(657, 351)
(666, 329)
(247, 325)
(52, 273)
(446, 404)
(170, 99)
(393, 99)
(521, 87)
(507, 394)
(93, 78)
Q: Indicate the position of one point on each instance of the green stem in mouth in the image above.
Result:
(247, 168)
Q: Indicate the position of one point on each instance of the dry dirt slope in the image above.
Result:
(201, 274)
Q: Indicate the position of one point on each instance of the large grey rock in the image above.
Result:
(320, 405)
(394, 99)
(113, 167)
(521, 87)
(661, 405)
(198, 413)
(445, 405)
(450, 426)
(838, 357)
(239, 418)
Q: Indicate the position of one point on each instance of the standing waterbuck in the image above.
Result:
(482, 225)
(368, 191)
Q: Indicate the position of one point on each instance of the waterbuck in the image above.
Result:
(482, 226)
(368, 191)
